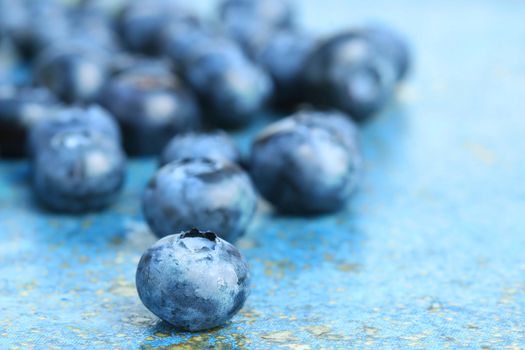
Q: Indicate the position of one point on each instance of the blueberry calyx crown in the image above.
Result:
(200, 234)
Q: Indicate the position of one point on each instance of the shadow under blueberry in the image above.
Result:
(162, 335)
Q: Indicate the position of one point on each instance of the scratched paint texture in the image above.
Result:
(429, 255)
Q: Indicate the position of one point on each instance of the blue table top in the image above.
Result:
(429, 255)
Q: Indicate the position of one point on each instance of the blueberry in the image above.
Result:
(181, 39)
(151, 106)
(283, 57)
(306, 164)
(73, 118)
(215, 145)
(334, 122)
(74, 72)
(349, 73)
(126, 63)
(20, 109)
(391, 44)
(89, 22)
(200, 192)
(231, 88)
(32, 25)
(141, 23)
(251, 21)
(193, 280)
(78, 171)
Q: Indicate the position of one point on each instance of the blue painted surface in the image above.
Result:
(430, 255)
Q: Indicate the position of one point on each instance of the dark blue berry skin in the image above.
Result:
(126, 63)
(32, 25)
(193, 280)
(75, 73)
(180, 40)
(78, 171)
(391, 44)
(141, 23)
(250, 22)
(151, 107)
(89, 22)
(20, 110)
(349, 73)
(200, 192)
(334, 122)
(215, 145)
(73, 118)
(231, 88)
(283, 56)
(305, 165)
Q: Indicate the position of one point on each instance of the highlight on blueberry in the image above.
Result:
(231, 88)
(78, 171)
(348, 72)
(151, 106)
(306, 165)
(92, 118)
(215, 145)
(74, 71)
(193, 280)
(20, 109)
(212, 194)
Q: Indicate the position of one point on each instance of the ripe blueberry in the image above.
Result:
(193, 280)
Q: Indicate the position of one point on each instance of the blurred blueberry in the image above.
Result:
(181, 39)
(193, 280)
(391, 44)
(20, 109)
(89, 22)
(349, 73)
(140, 23)
(250, 22)
(32, 25)
(75, 72)
(215, 145)
(334, 122)
(78, 171)
(306, 164)
(125, 62)
(231, 88)
(200, 192)
(283, 57)
(151, 107)
(73, 118)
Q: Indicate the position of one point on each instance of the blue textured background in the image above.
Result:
(430, 255)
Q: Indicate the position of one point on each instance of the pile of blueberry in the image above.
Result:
(82, 88)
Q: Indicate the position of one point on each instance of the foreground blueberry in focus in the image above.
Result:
(215, 145)
(212, 194)
(193, 280)
(250, 22)
(74, 118)
(231, 88)
(75, 73)
(20, 110)
(151, 107)
(78, 171)
(349, 72)
(306, 165)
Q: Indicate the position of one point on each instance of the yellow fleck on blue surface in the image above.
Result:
(430, 254)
